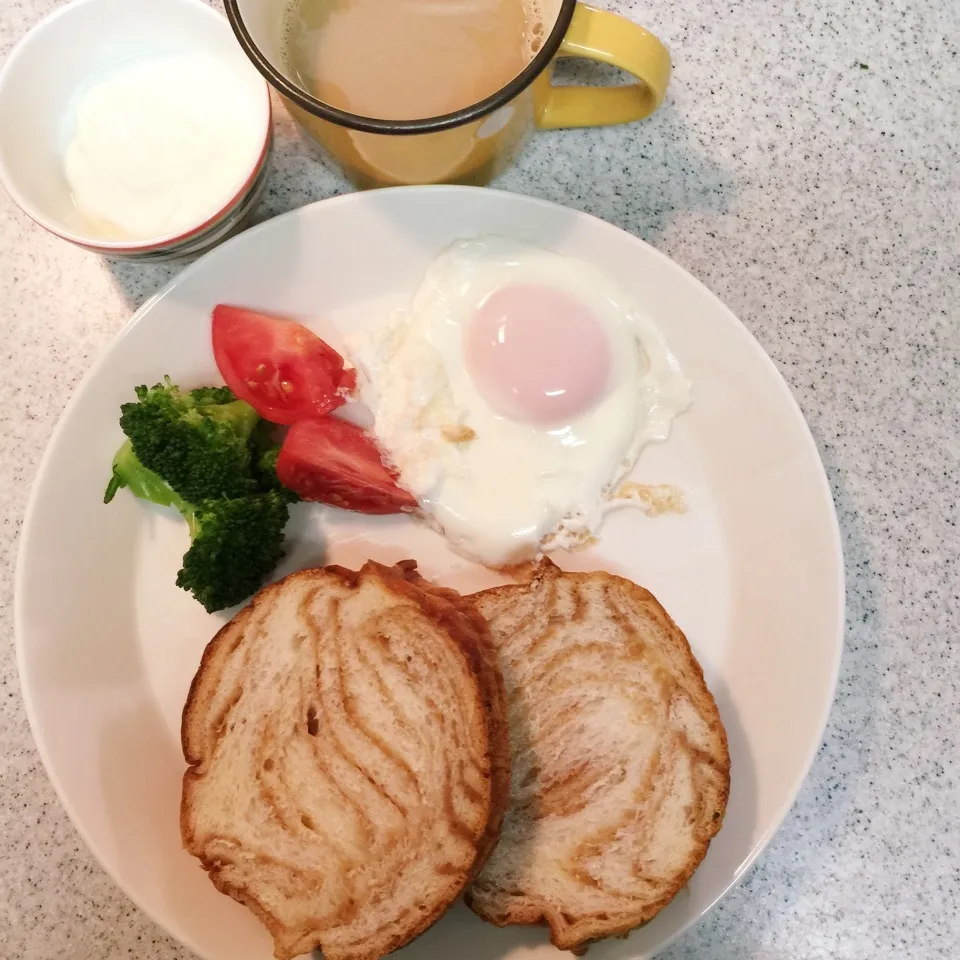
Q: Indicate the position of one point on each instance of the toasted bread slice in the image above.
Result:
(349, 762)
(620, 771)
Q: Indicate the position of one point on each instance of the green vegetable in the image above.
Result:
(198, 442)
(209, 456)
(235, 545)
(265, 449)
(128, 471)
(211, 395)
(267, 473)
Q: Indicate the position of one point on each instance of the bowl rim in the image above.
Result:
(126, 247)
(355, 121)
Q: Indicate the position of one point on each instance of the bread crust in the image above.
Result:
(454, 622)
(503, 896)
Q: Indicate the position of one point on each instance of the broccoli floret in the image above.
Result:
(198, 441)
(212, 395)
(265, 448)
(266, 468)
(235, 542)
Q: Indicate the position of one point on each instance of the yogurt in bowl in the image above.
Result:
(134, 129)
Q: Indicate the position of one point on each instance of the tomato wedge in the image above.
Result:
(282, 369)
(332, 461)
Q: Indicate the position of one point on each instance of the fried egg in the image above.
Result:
(514, 394)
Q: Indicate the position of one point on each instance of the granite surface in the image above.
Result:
(806, 167)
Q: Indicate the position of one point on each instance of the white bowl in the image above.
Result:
(43, 74)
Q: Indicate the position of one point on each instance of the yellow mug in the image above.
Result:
(472, 145)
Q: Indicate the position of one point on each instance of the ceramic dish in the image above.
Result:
(41, 79)
(107, 645)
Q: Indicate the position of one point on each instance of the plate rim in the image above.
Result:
(361, 197)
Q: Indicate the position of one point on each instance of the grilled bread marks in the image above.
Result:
(348, 763)
(620, 769)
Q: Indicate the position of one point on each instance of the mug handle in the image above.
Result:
(609, 38)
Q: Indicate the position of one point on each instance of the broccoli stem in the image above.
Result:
(129, 472)
(238, 414)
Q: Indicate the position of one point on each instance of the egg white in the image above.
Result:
(512, 489)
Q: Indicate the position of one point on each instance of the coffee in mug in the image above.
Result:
(442, 91)
(411, 59)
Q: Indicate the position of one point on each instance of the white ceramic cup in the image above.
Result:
(43, 74)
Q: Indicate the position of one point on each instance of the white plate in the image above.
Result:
(107, 644)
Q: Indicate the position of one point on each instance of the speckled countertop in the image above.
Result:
(806, 167)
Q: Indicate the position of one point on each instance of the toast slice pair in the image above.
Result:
(620, 770)
(348, 758)
(349, 738)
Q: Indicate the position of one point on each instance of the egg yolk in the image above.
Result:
(536, 354)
